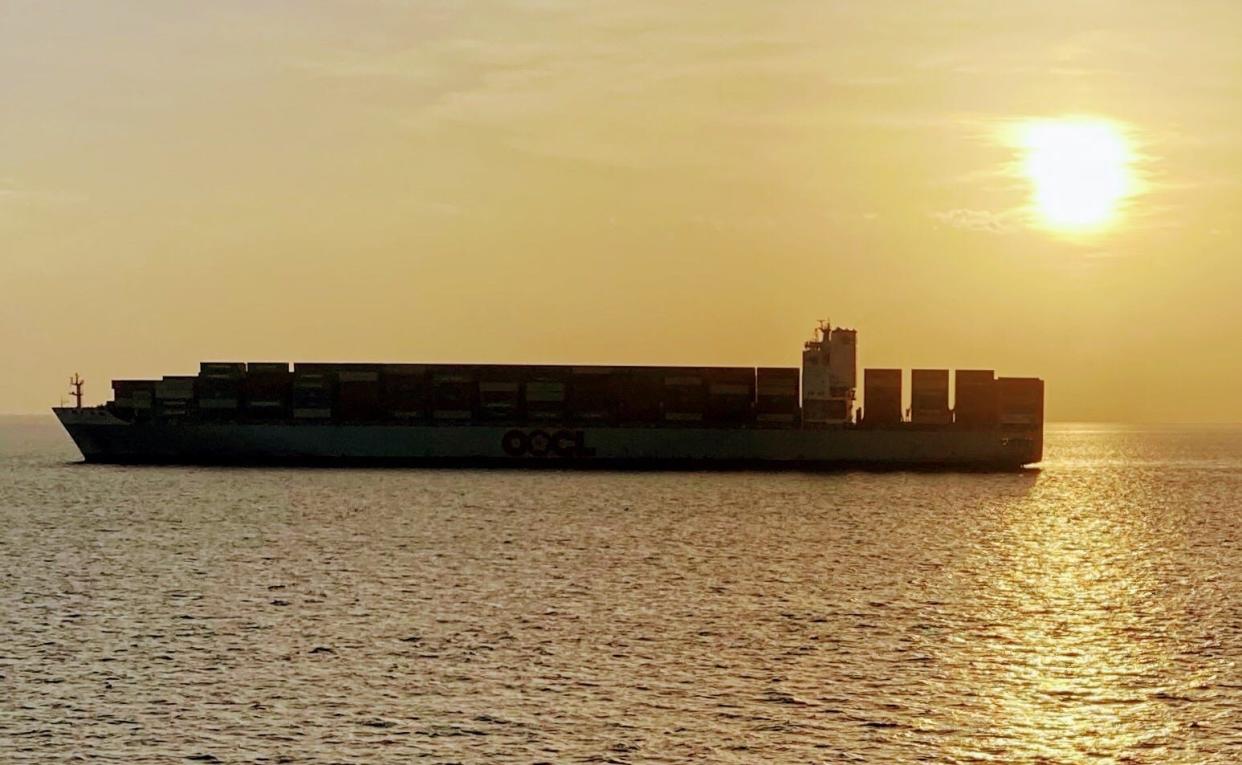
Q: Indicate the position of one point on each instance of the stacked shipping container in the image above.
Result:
(312, 392)
(404, 391)
(500, 392)
(777, 402)
(881, 397)
(929, 397)
(1020, 401)
(730, 395)
(594, 394)
(642, 394)
(545, 396)
(174, 396)
(684, 396)
(974, 398)
(266, 390)
(453, 389)
(358, 393)
(134, 397)
(219, 389)
(632, 396)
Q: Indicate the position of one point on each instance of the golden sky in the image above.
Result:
(629, 182)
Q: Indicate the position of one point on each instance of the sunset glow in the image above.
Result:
(637, 183)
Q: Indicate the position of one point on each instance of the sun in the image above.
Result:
(1079, 171)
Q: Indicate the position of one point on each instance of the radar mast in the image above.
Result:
(76, 382)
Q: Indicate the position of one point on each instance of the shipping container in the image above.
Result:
(174, 397)
(267, 367)
(545, 393)
(356, 374)
(172, 409)
(454, 390)
(683, 398)
(1020, 401)
(178, 388)
(267, 390)
(929, 397)
(130, 397)
(313, 391)
(499, 399)
(594, 394)
(222, 369)
(304, 396)
(975, 398)
(881, 397)
(214, 386)
(312, 381)
(325, 368)
(500, 392)
(405, 391)
(777, 402)
(267, 408)
(782, 381)
(218, 390)
(144, 398)
(358, 392)
(642, 389)
(730, 395)
(222, 405)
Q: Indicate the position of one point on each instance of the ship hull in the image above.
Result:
(104, 438)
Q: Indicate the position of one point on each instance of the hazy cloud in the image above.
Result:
(978, 220)
(12, 193)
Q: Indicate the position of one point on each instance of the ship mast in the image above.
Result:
(76, 382)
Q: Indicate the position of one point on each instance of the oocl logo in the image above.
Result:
(540, 443)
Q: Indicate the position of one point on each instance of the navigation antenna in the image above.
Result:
(76, 382)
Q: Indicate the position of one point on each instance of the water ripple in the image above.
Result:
(1090, 611)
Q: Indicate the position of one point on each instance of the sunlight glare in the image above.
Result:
(1079, 170)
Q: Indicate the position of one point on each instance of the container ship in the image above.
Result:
(647, 417)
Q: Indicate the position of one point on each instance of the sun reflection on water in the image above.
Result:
(1065, 655)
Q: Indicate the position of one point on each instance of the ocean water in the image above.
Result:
(1090, 611)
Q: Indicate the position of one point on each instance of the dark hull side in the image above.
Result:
(103, 438)
(623, 464)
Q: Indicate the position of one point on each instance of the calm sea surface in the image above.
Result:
(1087, 612)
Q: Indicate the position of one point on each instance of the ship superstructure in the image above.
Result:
(615, 416)
(829, 375)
